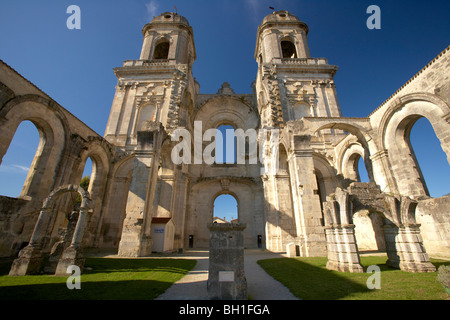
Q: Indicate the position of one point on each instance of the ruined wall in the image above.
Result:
(433, 215)
(65, 145)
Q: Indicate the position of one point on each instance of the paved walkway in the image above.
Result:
(260, 286)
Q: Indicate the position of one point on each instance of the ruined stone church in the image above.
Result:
(138, 201)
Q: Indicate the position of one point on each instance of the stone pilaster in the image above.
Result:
(135, 242)
(305, 190)
(130, 244)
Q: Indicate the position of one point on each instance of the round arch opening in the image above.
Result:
(225, 209)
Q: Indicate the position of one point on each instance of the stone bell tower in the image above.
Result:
(289, 86)
(150, 89)
(149, 102)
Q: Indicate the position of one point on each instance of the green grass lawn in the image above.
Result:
(308, 279)
(121, 279)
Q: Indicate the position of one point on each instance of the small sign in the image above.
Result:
(226, 276)
(159, 230)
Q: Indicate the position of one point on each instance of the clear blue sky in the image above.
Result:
(74, 67)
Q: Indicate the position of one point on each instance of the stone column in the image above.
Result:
(404, 244)
(79, 228)
(59, 247)
(226, 280)
(405, 249)
(73, 255)
(132, 232)
(272, 228)
(29, 261)
(343, 252)
(390, 235)
(179, 209)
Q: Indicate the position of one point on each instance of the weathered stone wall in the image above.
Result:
(249, 196)
(65, 144)
(433, 215)
(12, 226)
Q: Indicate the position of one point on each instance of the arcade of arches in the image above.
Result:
(315, 200)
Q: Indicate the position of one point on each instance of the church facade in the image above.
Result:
(139, 200)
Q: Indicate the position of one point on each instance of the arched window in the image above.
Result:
(87, 179)
(22, 155)
(162, 50)
(226, 146)
(89, 171)
(225, 209)
(288, 49)
(356, 165)
(428, 153)
(362, 171)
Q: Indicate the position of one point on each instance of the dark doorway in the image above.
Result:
(259, 241)
(191, 241)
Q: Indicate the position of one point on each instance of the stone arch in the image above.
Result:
(288, 48)
(53, 130)
(359, 130)
(402, 237)
(394, 132)
(221, 193)
(161, 48)
(30, 258)
(325, 177)
(50, 200)
(101, 159)
(115, 206)
(348, 159)
(248, 194)
(440, 112)
(226, 108)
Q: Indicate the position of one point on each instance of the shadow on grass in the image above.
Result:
(110, 265)
(309, 280)
(102, 290)
(103, 279)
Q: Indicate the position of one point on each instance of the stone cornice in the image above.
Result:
(140, 67)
